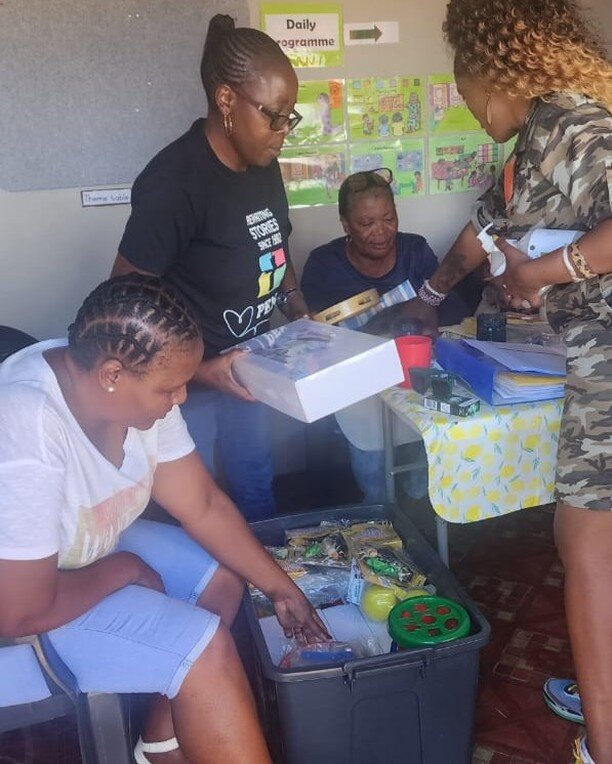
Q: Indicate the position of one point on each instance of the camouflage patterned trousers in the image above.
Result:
(582, 313)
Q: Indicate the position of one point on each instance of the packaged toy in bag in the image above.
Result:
(317, 654)
(318, 545)
(382, 560)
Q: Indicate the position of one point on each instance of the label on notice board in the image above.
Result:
(310, 34)
(106, 196)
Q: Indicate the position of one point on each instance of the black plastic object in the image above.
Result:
(491, 327)
(12, 340)
(442, 383)
(415, 706)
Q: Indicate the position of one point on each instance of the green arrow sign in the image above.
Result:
(365, 34)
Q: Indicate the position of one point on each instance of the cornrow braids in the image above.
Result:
(234, 55)
(131, 318)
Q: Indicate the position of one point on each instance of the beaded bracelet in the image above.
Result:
(579, 262)
(429, 295)
(568, 264)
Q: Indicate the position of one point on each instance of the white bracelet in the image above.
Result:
(568, 264)
(429, 296)
(428, 286)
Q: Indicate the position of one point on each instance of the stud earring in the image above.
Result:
(489, 110)
(228, 124)
(110, 389)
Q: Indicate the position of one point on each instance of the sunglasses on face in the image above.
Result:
(380, 176)
(278, 121)
(441, 383)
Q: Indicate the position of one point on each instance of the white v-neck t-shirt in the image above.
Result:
(58, 493)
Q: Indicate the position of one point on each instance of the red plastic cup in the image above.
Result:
(413, 350)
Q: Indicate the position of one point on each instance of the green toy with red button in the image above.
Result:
(426, 622)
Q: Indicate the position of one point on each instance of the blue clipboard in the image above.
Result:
(479, 371)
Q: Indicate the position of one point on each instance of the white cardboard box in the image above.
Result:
(309, 370)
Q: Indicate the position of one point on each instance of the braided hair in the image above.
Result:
(234, 55)
(131, 318)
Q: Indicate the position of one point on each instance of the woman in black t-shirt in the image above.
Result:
(210, 214)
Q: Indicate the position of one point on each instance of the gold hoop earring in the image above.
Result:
(489, 110)
(228, 124)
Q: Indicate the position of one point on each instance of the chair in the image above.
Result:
(102, 730)
(12, 340)
(103, 734)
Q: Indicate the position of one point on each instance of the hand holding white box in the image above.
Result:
(309, 370)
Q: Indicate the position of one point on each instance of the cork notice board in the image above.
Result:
(90, 90)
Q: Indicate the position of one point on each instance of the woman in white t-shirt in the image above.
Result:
(90, 429)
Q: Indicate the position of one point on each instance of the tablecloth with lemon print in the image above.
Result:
(497, 461)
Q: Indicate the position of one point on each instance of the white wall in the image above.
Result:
(601, 13)
(52, 252)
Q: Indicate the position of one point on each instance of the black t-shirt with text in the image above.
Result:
(218, 235)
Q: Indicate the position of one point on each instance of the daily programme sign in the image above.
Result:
(310, 34)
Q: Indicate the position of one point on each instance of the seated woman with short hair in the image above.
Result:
(90, 429)
(375, 254)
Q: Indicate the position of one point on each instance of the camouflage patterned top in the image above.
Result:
(562, 170)
(562, 178)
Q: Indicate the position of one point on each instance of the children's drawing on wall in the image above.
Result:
(463, 163)
(404, 157)
(367, 125)
(385, 107)
(313, 176)
(320, 102)
(414, 124)
(447, 110)
(383, 126)
(325, 114)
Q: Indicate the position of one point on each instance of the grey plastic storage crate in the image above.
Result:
(411, 707)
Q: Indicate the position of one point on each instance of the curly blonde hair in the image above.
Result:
(529, 48)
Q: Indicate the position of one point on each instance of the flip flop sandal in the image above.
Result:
(163, 746)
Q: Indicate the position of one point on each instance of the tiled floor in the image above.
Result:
(510, 568)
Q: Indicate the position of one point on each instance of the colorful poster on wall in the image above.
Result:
(309, 33)
(321, 104)
(469, 162)
(404, 157)
(385, 107)
(313, 175)
(447, 110)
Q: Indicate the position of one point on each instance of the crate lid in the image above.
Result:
(427, 621)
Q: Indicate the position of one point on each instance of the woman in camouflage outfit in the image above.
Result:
(534, 69)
